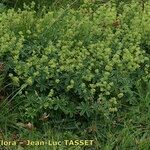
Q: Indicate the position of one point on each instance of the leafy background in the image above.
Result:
(75, 71)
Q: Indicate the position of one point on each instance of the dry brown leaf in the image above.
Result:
(30, 126)
(44, 117)
(116, 23)
(2, 66)
(22, 143)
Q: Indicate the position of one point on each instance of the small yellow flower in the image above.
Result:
(120, 95)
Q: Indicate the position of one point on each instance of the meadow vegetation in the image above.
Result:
(75, 70)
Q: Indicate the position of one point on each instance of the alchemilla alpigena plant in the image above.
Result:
(85, 60)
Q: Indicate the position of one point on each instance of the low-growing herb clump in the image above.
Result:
(85, 62)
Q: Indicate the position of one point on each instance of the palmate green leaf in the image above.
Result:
(71, 109)
(84, 108)
(60, 103)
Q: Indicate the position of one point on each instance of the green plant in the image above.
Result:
(38, 3)
(76, 63)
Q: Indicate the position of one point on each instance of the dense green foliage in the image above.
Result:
(84, 64)
(39, 3)
(61, 3)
